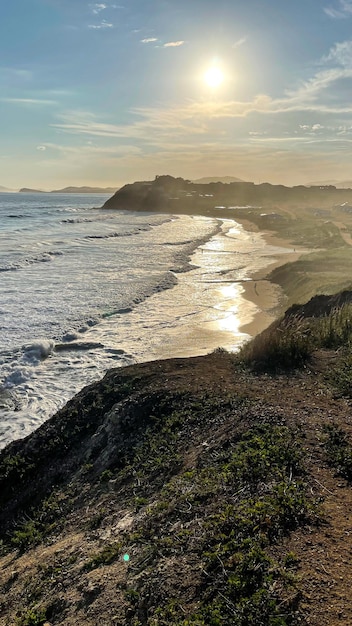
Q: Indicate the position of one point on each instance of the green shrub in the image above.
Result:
(107, 555)
(32, 617)
(339, 450)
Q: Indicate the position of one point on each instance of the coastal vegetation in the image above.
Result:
(206, 491)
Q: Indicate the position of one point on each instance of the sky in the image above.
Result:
(109, 92)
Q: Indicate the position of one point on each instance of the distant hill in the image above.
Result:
(85, 190)
(217, 179)
(72, 190)
(6, 190)
(339, 184)
(28, 190)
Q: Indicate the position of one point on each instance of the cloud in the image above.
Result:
(173, 44)
(169, 44)
(102, 24)
(343, 10)
(239, 42)
(101, 6)
(15, 72)
(312, 129)
(28, 101)
(96, 8)
(89, 149)
(340, 53)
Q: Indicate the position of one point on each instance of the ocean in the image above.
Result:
(83, 289)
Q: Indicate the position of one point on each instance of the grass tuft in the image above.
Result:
(339, 450)
(290, 343)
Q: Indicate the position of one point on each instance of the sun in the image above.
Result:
(214, 76)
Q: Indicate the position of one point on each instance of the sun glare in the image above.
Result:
(214, 77)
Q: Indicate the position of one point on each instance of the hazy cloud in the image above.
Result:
(92, 150)
(28, 101)
(340, 53)
(311, 127)
(15, 72)
(101, 6)
(173, 44)
(102, 24)
(149, 40)
(239, 43)
(343, 9)
(96, 8)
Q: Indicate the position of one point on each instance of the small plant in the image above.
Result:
(339, 450)
(32, 617)
(139, 501)
(105, 476)
(28, 535)
(341, 374)
(107, 555)
(96, 520)
(86, 468)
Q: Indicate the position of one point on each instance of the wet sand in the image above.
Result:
(268, 297)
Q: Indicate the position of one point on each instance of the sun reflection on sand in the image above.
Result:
(229, 305)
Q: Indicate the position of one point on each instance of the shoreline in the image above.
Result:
(250, 306)
(268, 297)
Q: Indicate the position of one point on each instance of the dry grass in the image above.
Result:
(291, 342)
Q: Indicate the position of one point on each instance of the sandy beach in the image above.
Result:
(244, 307)
(268, 297)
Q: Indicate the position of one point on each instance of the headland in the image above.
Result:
(315, 223)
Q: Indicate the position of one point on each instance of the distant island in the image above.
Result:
(85, 190)
(27, 190)
(71, 190)
(6, 189)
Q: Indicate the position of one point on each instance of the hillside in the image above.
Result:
(206, 491)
